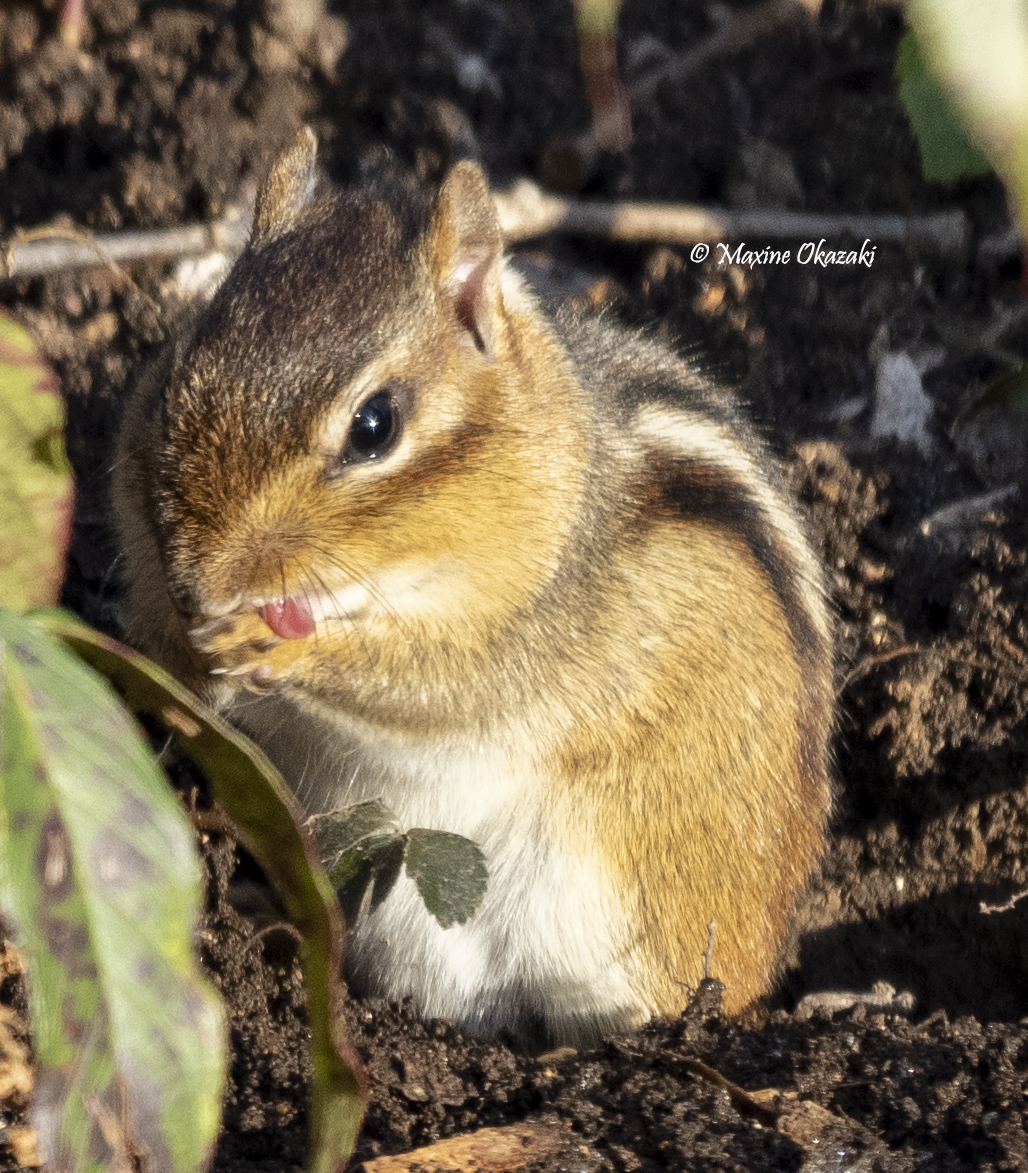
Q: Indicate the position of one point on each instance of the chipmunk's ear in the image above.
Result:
(287, 189)
(464, 253)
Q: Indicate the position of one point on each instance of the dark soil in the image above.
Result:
(167, 113)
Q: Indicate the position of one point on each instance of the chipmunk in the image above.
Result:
(524, 578)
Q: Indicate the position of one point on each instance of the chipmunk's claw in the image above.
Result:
(243, 648)
(200, 637)
(228, 636)
(255, 677)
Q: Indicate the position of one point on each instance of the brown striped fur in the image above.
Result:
(571, 614)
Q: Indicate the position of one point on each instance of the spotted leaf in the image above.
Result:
(99, 878)
(252, 793)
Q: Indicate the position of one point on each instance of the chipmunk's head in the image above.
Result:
(353, 444)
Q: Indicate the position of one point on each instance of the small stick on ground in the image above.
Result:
(988, 909)
(882, 997)
(735, 32)
(743, 1101)
(569, 160)
(527, 211)
(870, 662)
(42, 251)
(489, 1150)
(524, 212)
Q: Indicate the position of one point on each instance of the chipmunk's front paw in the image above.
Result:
(244, 647)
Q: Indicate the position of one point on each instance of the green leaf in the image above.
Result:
(356, 871)
(946, 152)
(361, 848)
(339, 830)
(99, 877)
(450, 873)
(388, 865)
(35, 480)
(375, 863)
(351, 878)
(979, 54)
(254, 796)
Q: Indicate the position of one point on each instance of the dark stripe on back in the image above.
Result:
(699, 489)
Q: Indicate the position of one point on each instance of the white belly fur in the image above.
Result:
(550, 940)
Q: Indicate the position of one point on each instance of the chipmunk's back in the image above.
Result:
(526, 580)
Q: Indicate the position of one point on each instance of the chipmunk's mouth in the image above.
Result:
(297, 616)
(291, 618)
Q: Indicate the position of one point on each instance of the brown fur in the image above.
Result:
(633, 615)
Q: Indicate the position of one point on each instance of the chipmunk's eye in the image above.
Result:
(375, 428)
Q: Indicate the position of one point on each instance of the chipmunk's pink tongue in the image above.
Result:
(289, 619)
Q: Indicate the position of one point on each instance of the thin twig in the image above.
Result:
(882, 997)
(743, 1101)
(42, 251)
(735, 32)
(987, 909)
(870, 662)
(281, 926)
(967, 511)
(578, 154)
(505, 1149)
(527, 211)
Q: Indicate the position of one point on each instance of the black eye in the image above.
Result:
(375, 427)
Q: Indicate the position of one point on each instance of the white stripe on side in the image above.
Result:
(693, 436)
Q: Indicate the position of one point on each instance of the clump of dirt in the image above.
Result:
(259, 976)
(169, 113)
